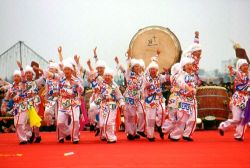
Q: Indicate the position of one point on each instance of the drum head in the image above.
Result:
(147, 41)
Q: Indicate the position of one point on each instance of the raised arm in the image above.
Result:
(158, 52)
(119, 66)
(232, 72)
(95, 54)
(90, 66)
(196, 37)
(181, 83)
(129, 53)
(59, 49)
(21, 69)
(78, 65)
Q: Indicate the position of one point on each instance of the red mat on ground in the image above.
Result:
(208, 150)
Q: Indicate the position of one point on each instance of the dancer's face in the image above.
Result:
(153, 72)
(244, 68)
(136, 69)
(67, 72)
(108, 78)
(16, 78)
(100, 70)
(29, 75)
(188, 68)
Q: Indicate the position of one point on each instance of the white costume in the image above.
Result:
(238, 102)
(153, 101)
(134, 112)
(108, 97)
(186, 103)
(69, 106)
(30, 96)
(94, 108)
(51, 95)
(191, 123)
(21, 120)
(173, 101)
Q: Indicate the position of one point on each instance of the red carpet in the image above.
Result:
(208, 150)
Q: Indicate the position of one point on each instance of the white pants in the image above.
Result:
(171, 121)
(22, 125)
(50, 113)
(92, 113)
(153, 116)
(140, 117)
(191, 122)
(134, 118)
(177, 127)
(108, 122)
(172, 109)
(235, 122)
(130, 119)
(62, 123)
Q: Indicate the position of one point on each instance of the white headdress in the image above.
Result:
(68, 64)
(153, 64)
(17, 72)
(29, 69)
(186, 60)
(108, 71)
(240, 62)
(100, 63)
(134, 62)
(142, 64)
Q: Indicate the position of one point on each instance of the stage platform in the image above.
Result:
(208, 150)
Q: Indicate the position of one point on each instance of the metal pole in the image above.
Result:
(20, 42)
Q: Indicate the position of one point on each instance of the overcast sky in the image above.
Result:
(80, 25)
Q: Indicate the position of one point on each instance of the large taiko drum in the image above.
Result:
(212, 101)
(148, 40)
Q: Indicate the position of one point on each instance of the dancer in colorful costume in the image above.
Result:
(238, 101)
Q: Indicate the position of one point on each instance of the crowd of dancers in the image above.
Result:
(142, 103)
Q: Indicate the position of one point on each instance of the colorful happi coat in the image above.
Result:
(133, 90)
(29, 95)
(52, 91)
(70, 92)
(241, 84)
(13, 97)
(187, 100)
(153, 90)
